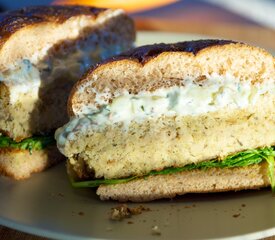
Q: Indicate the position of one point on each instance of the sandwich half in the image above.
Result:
(43, 51)
(168, 119)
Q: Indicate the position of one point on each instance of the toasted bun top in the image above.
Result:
(38, 27)
(144, 53)
(157, 66)
(13, 21)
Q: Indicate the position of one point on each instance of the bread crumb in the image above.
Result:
(156, 230)
(60, 194)
(123, 211)
(80, 213)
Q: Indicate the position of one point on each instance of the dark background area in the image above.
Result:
(14, 4)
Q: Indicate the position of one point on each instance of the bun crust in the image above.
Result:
(145, 53)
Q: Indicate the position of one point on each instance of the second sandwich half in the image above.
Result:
(43, 51)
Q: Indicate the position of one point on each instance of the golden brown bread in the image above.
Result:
(146, 53)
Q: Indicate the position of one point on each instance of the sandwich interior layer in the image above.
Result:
(112, 151)
(213, 93)
(30, 144)
(241, 159)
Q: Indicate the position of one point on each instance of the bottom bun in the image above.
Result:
(20, 164)
(195, 181)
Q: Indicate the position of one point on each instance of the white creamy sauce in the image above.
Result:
(192, 98)
(22, 78)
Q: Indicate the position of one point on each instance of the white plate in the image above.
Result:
(46, 205)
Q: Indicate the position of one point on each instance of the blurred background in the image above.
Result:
(251, 21)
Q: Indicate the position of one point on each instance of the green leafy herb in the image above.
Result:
(97, 182)
(33, 143)
(240, 159)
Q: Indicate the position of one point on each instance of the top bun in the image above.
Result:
(151, 67)
(56, 23)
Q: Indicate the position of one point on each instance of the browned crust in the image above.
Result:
(146, 53)
(12, 21)
(7, 150)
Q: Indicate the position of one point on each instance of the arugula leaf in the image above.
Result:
(241, 159)
(97, 182)
(33, 143)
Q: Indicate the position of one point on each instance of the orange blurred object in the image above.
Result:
(129, 5)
